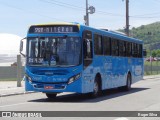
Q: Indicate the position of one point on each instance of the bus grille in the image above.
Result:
(51, 72)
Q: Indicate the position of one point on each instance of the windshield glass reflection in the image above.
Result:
(54, 51)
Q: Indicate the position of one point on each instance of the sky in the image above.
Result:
(17, 15)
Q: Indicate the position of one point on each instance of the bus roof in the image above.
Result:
(109, 33)
(113, 34)
(56, 23)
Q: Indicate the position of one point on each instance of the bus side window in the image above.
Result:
(107, 45)
(115, 47)
(139, 50)
(135, 50)
(98, 45)
(122, 48)
(128, 49)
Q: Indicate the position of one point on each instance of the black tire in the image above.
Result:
(51, 95)
(128, 84)
(97, 89)
(127, 87)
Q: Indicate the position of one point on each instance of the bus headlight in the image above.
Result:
(72, 79)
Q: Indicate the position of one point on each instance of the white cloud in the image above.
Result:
(9, 43)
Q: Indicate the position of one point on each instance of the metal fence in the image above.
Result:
(10, 72)
(151, 70)
(13, 73)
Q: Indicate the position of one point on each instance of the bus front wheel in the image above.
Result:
(96, 88)
(51, 95)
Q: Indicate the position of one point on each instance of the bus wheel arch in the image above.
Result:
(127, 87)
(129, 73)
(97, 86)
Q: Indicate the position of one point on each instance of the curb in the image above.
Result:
(19, 93)
(152, 77)
(24, 92)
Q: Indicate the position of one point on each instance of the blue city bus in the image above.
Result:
(69, 57)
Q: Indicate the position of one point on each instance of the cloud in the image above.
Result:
(9, 43)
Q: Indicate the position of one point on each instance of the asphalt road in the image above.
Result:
(144, 96)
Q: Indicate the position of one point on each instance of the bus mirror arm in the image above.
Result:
(22, 54)
(21, 47)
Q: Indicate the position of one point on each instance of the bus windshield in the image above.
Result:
(54, 51)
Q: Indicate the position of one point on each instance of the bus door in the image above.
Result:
(87, 62)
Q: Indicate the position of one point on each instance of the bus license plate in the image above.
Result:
(48, 87)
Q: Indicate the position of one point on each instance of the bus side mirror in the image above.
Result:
(21, 47)
(85, 49)
(144, 53)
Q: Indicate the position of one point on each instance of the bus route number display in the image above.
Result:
(53, 29)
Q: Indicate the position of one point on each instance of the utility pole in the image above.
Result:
(127, 18)
(89, 10)
(19, 71)
(87, 14)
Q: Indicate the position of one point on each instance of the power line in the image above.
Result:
(158, 13)
(62, 4)
(68, 4)
(71, 6)
(142, 17)
(33, 12)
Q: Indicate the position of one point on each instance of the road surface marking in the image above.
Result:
(13, 104)
(121, 118)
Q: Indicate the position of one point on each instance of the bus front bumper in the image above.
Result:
(75, 86)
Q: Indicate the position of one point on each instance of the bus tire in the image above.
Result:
(128, 83)
(127, 87)
(96, 88)
(51, 95)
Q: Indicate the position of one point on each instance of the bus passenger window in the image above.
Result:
(134, 50)
(98, 44)
(115, 47)
(107, 45)
(128, 49)
(139, 51)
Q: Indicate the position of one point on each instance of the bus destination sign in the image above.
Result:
(53, 29)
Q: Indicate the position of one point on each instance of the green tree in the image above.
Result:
(154, 53)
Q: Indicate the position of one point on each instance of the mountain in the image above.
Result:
(150, 34)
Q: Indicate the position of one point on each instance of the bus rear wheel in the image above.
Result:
(128, 83)
(51, 95)
(127, 87)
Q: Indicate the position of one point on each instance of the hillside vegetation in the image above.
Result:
(150, 34)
